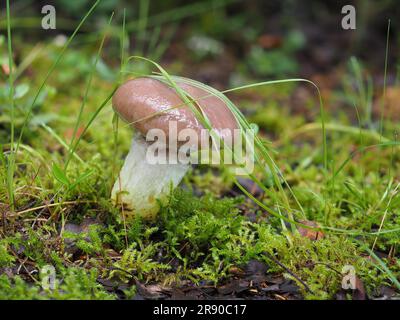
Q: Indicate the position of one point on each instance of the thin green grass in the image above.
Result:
(363, 149)
(382, 265)
(267, 153)
(13, 150)
(115, 120)
(244, 125)
(86, 95)
(179, 13)
(142, 24)
(358, 89)
(63, 143)
(384, 80)
(14, 146)
(50, 71)
(263, 157)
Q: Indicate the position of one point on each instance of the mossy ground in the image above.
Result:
(208, 230)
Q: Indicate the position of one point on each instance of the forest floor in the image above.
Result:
(210, 241)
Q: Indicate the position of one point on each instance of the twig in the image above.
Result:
(288, 271)
(48, 206)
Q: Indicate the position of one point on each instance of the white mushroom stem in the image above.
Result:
(141, 185)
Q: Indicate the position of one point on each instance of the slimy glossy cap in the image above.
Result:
(142, 98)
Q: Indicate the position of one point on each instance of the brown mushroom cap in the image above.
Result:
(143, 97)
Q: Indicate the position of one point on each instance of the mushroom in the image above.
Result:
(150, 104)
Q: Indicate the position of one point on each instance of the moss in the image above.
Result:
(74, 284)
(6, 258)
(199, 235)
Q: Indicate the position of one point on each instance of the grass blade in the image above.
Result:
(11, 162)
(50, 71)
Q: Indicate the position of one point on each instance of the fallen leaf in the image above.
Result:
(236, 271)
(235, 286)
(268, 41)
(6, 69)
(392, 106)
(271, 288)
(309, 233)
(70, 131)
(152, 292)
(256, 267)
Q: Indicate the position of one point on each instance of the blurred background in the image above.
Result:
(224, 43)
(219, 41)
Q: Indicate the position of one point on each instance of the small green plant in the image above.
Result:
(80, 284)
(89, 242)
(137, 262)
(6, 258)
(73, 284)
(17, 289)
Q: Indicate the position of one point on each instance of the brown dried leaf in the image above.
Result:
(309, 233)
(6, 69)
(268, 41)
